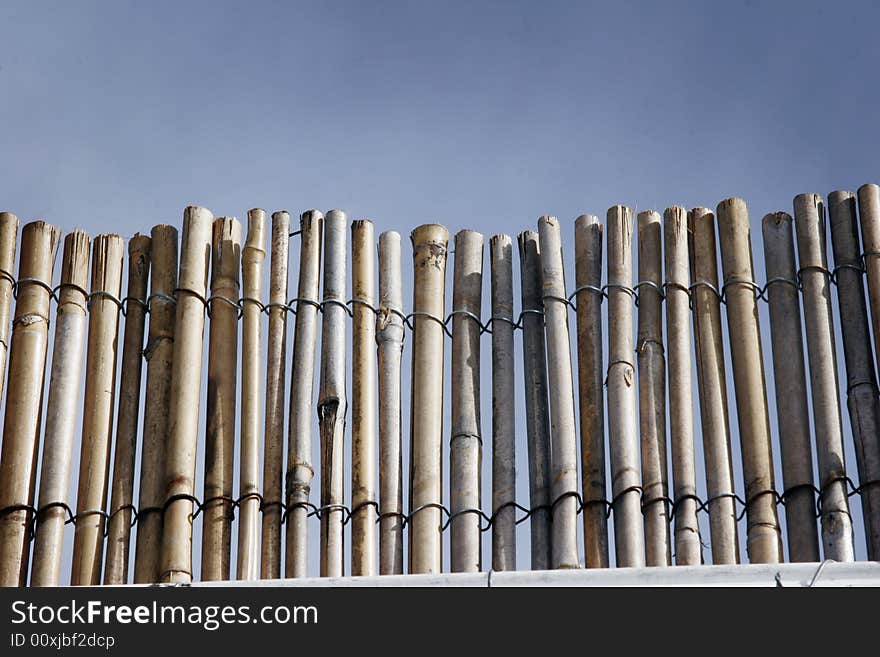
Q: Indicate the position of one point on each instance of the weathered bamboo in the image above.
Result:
(712, 384)
(217, 502)
(503, 405)
(252, 256)
(688, 547)
(588, 280)
(8, 241)
(563, 434)
(97, 425)
(64, 394)
(622, 435)
(862, 395)
(276, 363)
(157, 399)
(789, 373)
(127, 420)
(24, 398)
(175, 565)
(299, 445)
(652, 391)
(869, 220)
(763, 542)
(465, 443)
(536, 400)
(363, 400)
(426, 402)
(332, 403)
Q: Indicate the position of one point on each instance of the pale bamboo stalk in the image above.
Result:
(563, 434)
(536, 398)
(712, 385)
(276, 365)
(252, 256)
(862, 395)
(217, 501)
(763, 542)
(465, 443)
(24, 397)
(97, 425)
(429, 243)
(652, 391)
(363, 400)
(688, 547)
(8, 241)
(332, 402)
(64, 394)
(175, 564)
(869, 220)
(127, 420)
(157, 400)
(299, 445)
(789, 373)
(623, 438)
(503, 405)
(389, 337)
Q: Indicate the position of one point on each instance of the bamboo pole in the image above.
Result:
(652, 391)
(389, 337)
(426, 402)
(536, 399)
(712, 384)
(465, 444)
(363, 400)
(252, 255)
(622, 436)
(869, 220)
(217, 513)
(789, 373)
(64, 393)
(332, 403)
(276, 362)
(157, 401)
(8, 241)
(299, 445)
(503, 405)
(24, 398)
(763, 540)
(121, 498)
(862, 395)
(97, 425)
(688, 547)
(175, 565)
(588, 280)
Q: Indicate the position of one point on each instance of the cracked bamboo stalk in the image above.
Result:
(252, 255)
(157, 398)
(299, 445)
(789, 373)
(465, 443)
(686, 535)
(652, 391)
(97, 425)
(217, 509)
(623, 438)
(64, 395)
(429, 243)
(24, 397)
(869, 220)
(588, 281)
(121, 498)
(175, 564)
(563, 433)
(862, 395)
(503, 405)
(8, 241)
(389, 337)
(536, 398)
(332, 403)
(763, 541)
(276, 361)
(363, 400)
